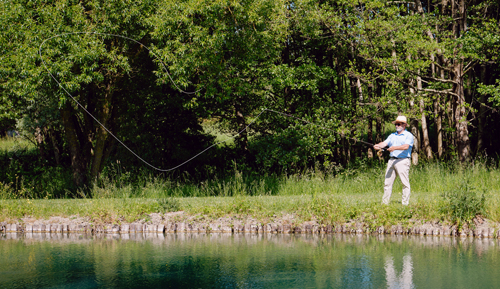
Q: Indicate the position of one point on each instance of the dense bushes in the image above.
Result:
(294, 148)
(464, 203)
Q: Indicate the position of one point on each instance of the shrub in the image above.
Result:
(463, 204)
(294, 149)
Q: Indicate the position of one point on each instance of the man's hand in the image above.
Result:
(379, 153)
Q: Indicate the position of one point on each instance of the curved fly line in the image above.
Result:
(178, 88)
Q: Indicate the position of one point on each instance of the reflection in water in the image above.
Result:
(404, 280)
(38, 260)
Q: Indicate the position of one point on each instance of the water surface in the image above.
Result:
(246, 261)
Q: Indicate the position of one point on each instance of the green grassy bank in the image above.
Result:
(450, 193)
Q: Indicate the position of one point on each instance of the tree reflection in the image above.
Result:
(246, 261)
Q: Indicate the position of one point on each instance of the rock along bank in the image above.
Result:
(179, 222)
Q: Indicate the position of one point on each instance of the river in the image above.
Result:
(38, 260)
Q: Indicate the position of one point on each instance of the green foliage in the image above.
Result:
(346, 65)
(463, 204)
(318, 140)
(294, 148)
(23, 174)
(113, 78)
(223, 48)
(493, 91)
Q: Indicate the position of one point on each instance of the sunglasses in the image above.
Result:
(398, 124)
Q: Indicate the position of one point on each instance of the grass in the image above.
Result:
(14, 144)
(440, 191)
(352, 195)
(211, 127)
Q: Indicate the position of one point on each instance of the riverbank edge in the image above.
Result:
(178, 222)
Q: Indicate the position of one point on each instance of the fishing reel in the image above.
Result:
(380, 152)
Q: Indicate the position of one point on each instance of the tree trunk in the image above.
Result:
(378, 128)
(360, 89)
(351, 148)
(451, 120)
(414, 125)
(101, 141)
(481, 115)
(461, 123)
(55, 146)
(462, 131)
(416, 142)
(243, 137)
(370, 136)
(426, 146)
(78, 161)
(40, 142)
(438, 115)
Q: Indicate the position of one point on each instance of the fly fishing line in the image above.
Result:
(177, 87)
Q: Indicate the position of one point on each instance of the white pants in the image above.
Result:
(400, 167)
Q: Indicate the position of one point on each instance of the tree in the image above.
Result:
(426, 51)
(224, 50)
(93, 66)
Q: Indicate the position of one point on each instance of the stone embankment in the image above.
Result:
(179, 223)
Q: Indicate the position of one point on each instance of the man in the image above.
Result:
(400, 144)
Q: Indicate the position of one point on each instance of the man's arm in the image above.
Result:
(401, 147)
(380, 145)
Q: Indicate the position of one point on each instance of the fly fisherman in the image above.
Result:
(400, 144)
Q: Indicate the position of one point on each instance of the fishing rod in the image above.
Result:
(182, 91)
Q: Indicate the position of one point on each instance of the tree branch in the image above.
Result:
(469, 66)
(442, 67)
(424, 89)
(439, 91)
(439, 79)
